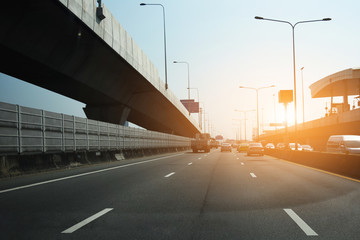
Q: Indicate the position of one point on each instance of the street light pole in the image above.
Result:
(198, 96)
(257, 106)
(188, 68)
(302, 85)
(236, 110)
(163, 8)
(293, 40)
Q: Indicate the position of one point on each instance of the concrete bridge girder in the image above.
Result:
(44, 43)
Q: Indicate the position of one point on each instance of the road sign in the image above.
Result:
(285, 96)
(219, 137)
(190, 105)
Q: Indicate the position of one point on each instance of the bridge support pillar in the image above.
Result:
(116, 114)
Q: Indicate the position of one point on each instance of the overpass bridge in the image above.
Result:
(63, 46)
(343, 122)
(317, 132)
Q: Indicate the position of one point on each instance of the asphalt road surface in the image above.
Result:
(182, 196)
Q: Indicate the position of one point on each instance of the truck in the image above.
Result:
(201, 142)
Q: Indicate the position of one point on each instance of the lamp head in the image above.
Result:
(259, 18)
(142, 4)
(326, 19)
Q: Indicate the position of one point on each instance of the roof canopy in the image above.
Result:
(346, 82)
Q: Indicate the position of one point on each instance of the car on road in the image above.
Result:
(281, 146)
(270, 146)
(242, 147)
(307, 148)
(226, 147)
(292, 146)
(344, 144)
(255, 148)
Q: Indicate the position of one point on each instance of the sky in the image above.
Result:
(227, 48)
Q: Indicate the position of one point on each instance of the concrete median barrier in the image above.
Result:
(343, 164)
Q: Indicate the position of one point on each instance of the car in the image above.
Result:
(292, 146)
(270, 146)
(281, 146)
(307, 148)
(226, 147)
(344, 144)
(234, 145)
(255, 148)
(242, 147)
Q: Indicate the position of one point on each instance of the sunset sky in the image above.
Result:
(226, 47)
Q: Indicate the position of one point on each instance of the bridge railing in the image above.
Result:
(28, 130)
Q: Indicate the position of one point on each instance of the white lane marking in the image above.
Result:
(190, 163)
(199, 158)
(170, 174)
(242, 163)
(85, 174)
(237, 158)
(253, 175)
(308, 231)
(86, 221)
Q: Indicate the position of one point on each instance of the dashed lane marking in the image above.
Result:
(170, 174)
(253, 175)
(306, 228)
(86, 221)
(190, 163)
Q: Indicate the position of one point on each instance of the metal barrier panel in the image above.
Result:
(9, 130)
(28, 130)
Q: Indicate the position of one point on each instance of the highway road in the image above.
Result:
(182, 196)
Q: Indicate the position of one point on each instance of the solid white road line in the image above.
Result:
(253, 175)
(308, 231)
(86, 221)
(84, 174)
(190, 163)
(170, 174)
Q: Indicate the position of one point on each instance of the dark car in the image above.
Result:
(255, 148)
(226, 147)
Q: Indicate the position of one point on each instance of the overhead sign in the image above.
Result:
(285, 96)
(219, 137)
(191, 105)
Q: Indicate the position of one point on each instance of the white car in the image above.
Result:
(344, 144)
(307, 148)
(292, 146)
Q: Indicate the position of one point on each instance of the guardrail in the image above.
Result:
(27, 130)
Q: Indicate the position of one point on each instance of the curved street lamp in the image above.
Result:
(257, 106)
(244, 111)
(293, 37)
(158, 4)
